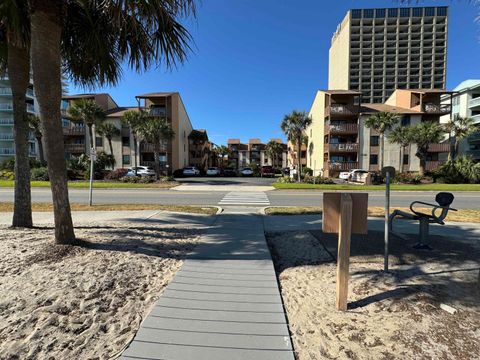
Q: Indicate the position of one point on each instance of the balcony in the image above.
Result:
(6, 122)
(437, 109)
(342, 129)
(9, 107)
(474, 153)
(7, 151)
(445, 147)
(74, 131)
(475, 102)
(340, 109)
(6, 137)
(474, 138)
(75, 148)
(340, 166)
(353, 147)
(148, 147)
(432, 165)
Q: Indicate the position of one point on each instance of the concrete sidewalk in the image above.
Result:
(224, 303)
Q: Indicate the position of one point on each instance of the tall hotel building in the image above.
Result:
(376, 51)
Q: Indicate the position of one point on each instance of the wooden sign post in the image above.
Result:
(339, 217)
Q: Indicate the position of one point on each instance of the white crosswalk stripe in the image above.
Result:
(245, 198)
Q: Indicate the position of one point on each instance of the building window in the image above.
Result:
(374, 159)
(392, 13)
(374, 140)
(404, 12)
(98, 141)
(356, 14)
(126, 159)
(442, 11)
(417, 12)
(405, 120)
(380, 13)
(405, 159)
(368, 13)
(429, 11)
(125, 140)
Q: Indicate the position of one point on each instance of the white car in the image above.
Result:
(354, 175)
(191, 171)
(141, 171)
(246, 171)
(213, 171)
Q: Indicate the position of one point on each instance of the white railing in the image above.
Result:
(6, 106)
(7, 151)
(6, 121)
(6, 136)
(476, 119)
(474, 102)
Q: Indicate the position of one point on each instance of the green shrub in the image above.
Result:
(146, 180)
(9, 164)
(407, 178)
(130, 179)
(7, 175)
(462, 170)
(284, 179)
(167, 178)
(116, 174)
(307, 179)
(39, 174)
(307, 171)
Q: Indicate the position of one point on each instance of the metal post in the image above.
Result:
(92, 159)
(387, 214)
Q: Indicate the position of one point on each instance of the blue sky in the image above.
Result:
(256, 60)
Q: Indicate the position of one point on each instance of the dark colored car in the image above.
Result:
(229, 172)
(267, 171)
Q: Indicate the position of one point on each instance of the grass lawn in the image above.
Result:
(465, 215)
(99, 184)
(405, 187)
(45, 207)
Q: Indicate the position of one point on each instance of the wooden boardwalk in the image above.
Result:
(224, 303)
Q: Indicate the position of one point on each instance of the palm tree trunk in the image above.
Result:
(46, 63)
(382, 145)
(19, 74)
(400, 164)
(110, 145)
(40, 149)
(299, 158)
(90, 134)
(156, 159)
(452, 147)
(455, 151)
(423, 163)
(135, 147)
(409, 157)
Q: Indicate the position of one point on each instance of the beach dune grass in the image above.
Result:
(463, 215)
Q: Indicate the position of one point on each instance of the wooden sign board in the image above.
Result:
(331, 212)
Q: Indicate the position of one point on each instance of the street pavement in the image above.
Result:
(463, 200)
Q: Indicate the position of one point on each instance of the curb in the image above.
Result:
(219, 210)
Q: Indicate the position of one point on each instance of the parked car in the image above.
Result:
(267, 171)
(353, 175)
(141, 171)
(229, 172)
(191, 171)
(213, 171)
(246, 171)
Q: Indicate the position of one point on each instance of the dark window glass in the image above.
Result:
(406, 120)
(442, 11)
(405, 12)
(356, 14)
(380, 13)
(125, 140)
(374, 140)
(429, 11)
(392, 12)
(368, 13)
(98, 141)
(373, 159)
(405, 159)
(417, 11)
(126, 159)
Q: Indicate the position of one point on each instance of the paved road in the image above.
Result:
(463, 200)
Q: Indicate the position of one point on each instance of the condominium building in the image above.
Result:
(292, 154)
(200, 154)
(7, 148)
(375, 51)
(340, 141)
(254, 152)
(466, 103)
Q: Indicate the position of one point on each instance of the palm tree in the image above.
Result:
(154, 130)
(134, 118)
(137, 33)
(14, 57)
(402, 136)
(382, 122)
(423, 135)
(458, 128)
(34, 122)
(222, 151)
(294, 125)
(274, 149)
(108, 130)
(88, 112)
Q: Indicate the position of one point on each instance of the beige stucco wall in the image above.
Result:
(339, 57)
(183, 128)
(315, 133)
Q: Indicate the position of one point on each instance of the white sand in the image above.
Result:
(63, 302)
(402, 321)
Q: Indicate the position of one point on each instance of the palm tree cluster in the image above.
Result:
(294, 126)
(274, 150)
(86, 41)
